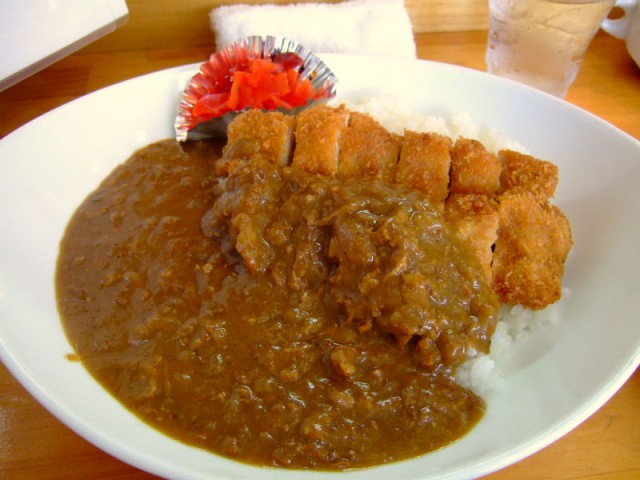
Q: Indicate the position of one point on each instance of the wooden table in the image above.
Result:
(35, 445)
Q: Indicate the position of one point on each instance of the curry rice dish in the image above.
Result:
(302, 296)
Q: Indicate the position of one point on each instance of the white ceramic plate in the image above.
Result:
(568, 371)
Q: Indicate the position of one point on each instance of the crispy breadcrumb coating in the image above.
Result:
(425, 163)
(473, 168)
(317, 139)
(367, 149)
(522, 172)
(474, 219)
(269, 135)
(497, 204)
(532, 246)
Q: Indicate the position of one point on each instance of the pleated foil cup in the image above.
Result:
(220, 68)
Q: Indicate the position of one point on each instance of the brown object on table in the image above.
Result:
(424, 165)
(35, 445)
(326, 270)
(533, 243)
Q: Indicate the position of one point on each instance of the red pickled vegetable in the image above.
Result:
(211, 104)
(288, 60)
(264, 83)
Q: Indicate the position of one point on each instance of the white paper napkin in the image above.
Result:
(371, 27)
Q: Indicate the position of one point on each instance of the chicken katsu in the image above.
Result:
(317, 135)
(474, 170)
(380, 157)
(524, 173)
(424, 164)
(250, 135)
(498, 203)
(475, 220)
(533, 242)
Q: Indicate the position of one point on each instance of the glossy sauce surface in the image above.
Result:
(276, 319)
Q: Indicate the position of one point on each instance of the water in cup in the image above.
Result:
(542, 42)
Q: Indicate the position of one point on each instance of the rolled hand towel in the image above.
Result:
(371, 27)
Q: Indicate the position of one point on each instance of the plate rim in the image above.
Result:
(149, 464)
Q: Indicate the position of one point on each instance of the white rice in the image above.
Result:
(397, 116)
(482, 373)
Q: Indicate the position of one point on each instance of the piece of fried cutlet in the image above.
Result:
(317, 139)
(473, 168)
(533, 244)
(474, 220)
(367, 149)
(521, 172)
(424, 164)
(253, 134)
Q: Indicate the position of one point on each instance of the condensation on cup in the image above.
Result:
(542, 42)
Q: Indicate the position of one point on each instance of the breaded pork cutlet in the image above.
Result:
(497, 204)
(367, 149)
(317, 139)
(256, 133)
(473, 168)
(522, 172)
(474, 219)
(424, 164)
(533, 243)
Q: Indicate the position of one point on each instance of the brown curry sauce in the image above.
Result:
(277, 319)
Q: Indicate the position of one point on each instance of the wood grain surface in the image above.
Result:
(36, 446)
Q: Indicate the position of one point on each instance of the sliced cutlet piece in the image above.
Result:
(317, 139)
(533, 243)
(367, 149)
(473, 168)
(256, 134)
(521, 172)
(474, 220)
(424, 164)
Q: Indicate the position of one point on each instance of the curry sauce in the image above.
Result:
(279, 319)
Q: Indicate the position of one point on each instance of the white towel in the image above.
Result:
(371, 27)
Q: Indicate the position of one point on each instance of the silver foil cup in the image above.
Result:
(216, 74)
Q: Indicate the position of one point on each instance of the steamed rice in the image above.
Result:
(396, 116)
(481, 373)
